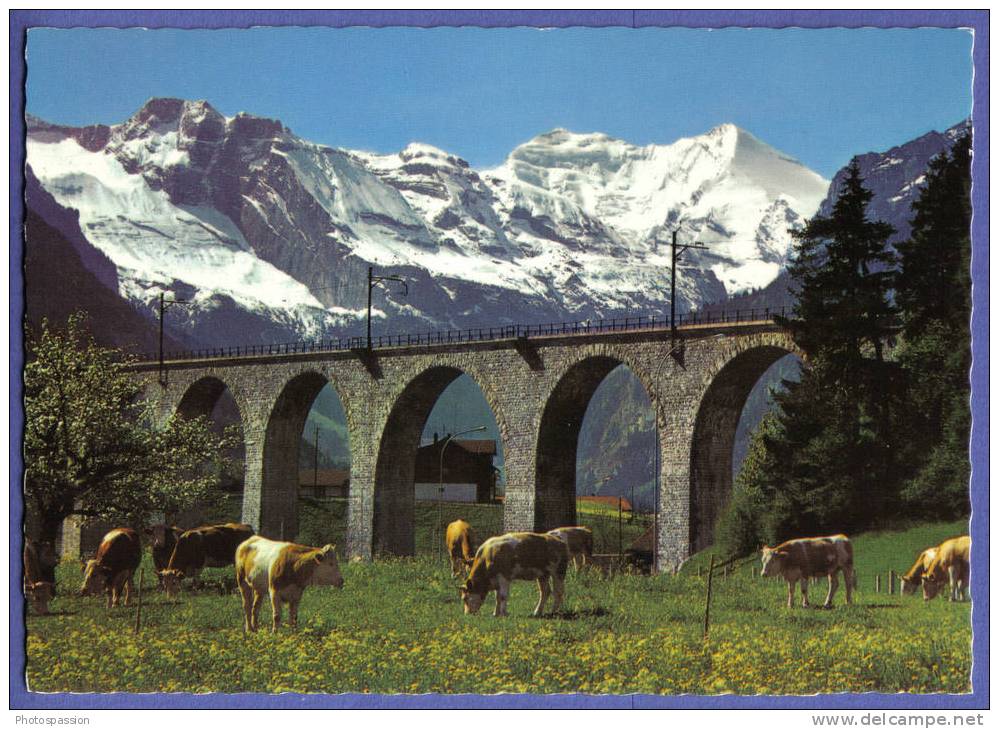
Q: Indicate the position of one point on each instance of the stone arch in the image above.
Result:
(277, 501)
(395, 465)
(725, 386)
(559, 429)
(201, 396)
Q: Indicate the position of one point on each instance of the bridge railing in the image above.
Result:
(476, 334)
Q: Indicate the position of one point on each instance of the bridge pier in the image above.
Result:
(538, 401)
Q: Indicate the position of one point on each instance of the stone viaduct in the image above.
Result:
(538, 389)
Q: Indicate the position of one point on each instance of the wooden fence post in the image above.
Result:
(877, 582)
(891, 582)
(707, 602)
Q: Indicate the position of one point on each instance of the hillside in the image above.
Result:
(59, 260)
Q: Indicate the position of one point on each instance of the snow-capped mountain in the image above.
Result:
(894, 177)
(252, 223)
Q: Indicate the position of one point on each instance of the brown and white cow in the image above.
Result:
(281, 570)
(39, 574)
(516, 556)
(118, 556)
(914, 577)
(952, 564)
(162, 539)
(801, 559)
(206, 546)
(579, 541)
(460, 541)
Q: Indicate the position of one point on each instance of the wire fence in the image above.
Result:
(475, 334)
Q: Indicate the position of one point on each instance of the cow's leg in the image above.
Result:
(558, 584)
(275, 611)
(848, 579)
(543, 590)
(502, 593)
(293, 613)
(454, 566)
(790, 592)
(246, 595)
(129, 588)
(833, 585)
(258, 602)
(116, 585)
(952, 576)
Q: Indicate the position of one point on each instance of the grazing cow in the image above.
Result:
(39, 574)
(579, 541)
(118, 556)
(952, 564)
(163, 539)
(802, 559)
(459, 540)
(914, 577)
(516, 556)
(206, 546)
(283, 570)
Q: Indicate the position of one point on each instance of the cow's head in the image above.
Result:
(95, 578)
(327, 571)
(909, 585)
(171, 582)
(773, 561)
(40, 594)
(931, 587)
(471, 600)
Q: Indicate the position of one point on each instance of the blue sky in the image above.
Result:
(818, 95)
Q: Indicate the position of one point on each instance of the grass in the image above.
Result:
(487, 521)
(397, 626)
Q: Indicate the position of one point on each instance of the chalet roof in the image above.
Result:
(484, 447)
(646, 542)
(477, 447)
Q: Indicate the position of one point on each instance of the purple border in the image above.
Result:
(978, 20)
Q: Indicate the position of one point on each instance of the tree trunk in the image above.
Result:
(49, 524)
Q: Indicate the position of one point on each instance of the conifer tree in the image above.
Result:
(831, 451)
(934, 297)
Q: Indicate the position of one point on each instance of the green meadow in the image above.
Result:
(398, 627)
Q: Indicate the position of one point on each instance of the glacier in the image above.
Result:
(570, 226)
